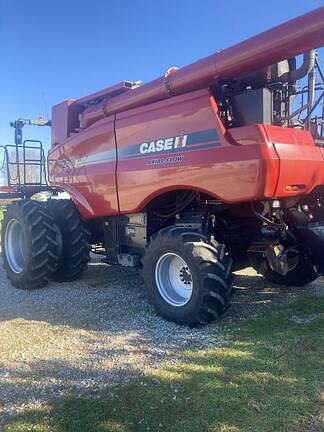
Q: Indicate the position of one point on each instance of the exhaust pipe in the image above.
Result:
(306, 67)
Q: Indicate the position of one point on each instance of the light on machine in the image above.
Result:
(275, 204)
(295, 188)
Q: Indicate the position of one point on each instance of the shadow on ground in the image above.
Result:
(106, 295)
(94, 334)
(269, 377)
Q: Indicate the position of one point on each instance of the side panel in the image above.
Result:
(85, 167)
(301, 162)
(180, 143)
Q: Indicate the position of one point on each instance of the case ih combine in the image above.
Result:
(207, 169)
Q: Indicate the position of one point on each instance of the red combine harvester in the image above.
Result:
(212, 167)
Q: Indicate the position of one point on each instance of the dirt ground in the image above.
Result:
(94, 334)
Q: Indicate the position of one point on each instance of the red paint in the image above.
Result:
(92, 187)
(62, 123)
(251, 163)
(301, 162)
(247, 163)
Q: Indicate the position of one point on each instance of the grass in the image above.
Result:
(269, 378)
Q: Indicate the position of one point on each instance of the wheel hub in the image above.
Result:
(173, 279)
(185, 275)
(15, 246)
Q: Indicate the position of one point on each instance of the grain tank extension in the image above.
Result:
(211, 167)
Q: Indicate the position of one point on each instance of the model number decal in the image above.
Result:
(166, 160)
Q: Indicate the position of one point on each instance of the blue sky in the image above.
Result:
(55, 50)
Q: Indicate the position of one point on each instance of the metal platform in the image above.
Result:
(26, 170)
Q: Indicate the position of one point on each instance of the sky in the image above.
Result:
(55, 50)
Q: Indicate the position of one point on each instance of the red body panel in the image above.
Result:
(222, 170)
(301, 163)
(115, 150)
(80, 168)
(243, 164)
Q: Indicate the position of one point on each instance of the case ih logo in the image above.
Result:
(194, 141)
(166, 144)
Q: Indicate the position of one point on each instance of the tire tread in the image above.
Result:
(76, 240)
(43, 249)
(213, 266)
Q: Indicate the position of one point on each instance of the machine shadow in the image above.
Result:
(109, 297)
(121, 335)
(209, 387)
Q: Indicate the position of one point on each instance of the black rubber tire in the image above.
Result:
(42, 244)
(75, 240)
(210, 269)
(301, 275)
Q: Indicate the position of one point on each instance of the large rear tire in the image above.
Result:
(75, 240)
(30, 244)
(187, 279)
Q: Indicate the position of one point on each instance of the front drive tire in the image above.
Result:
(188, 280)
(30, 244)
(75, 240)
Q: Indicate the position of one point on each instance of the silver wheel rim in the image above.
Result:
(15, 246)
(173, 279)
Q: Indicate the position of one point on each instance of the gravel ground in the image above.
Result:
(95, 333)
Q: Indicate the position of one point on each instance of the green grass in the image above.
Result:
(269, 378)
